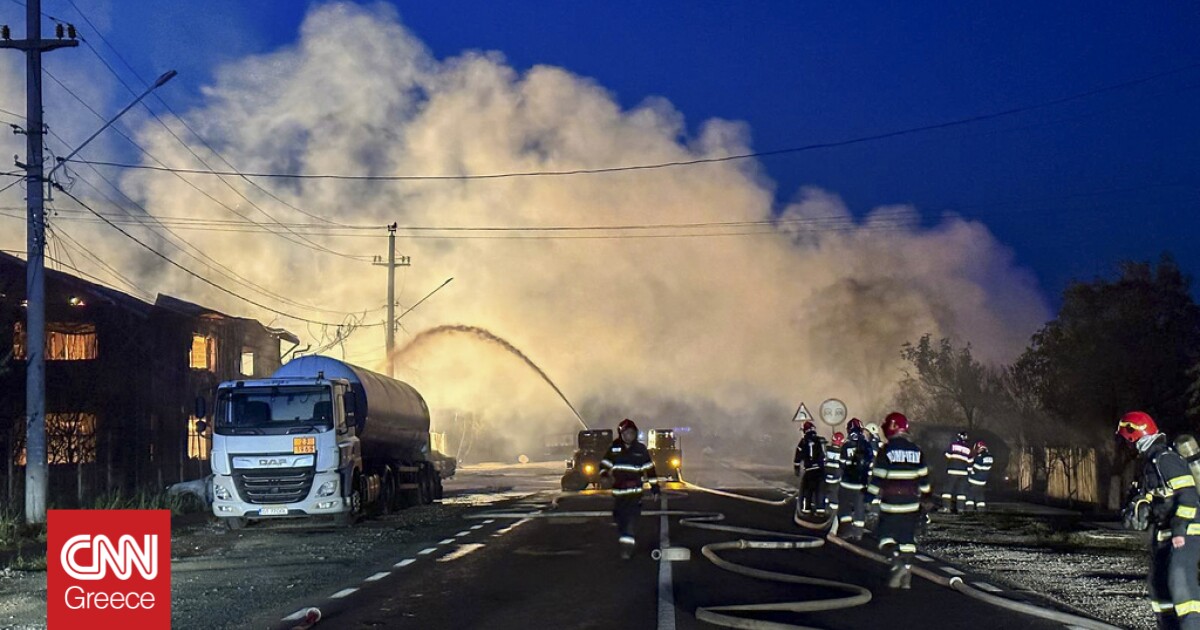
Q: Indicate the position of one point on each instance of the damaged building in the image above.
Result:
(122, 375)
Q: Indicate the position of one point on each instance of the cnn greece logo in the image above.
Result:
(122, 557)
(112, 569)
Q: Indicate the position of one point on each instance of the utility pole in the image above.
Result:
(36, 469)
(391, 264)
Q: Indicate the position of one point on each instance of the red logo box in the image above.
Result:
(108, 569)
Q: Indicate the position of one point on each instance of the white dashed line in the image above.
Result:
(489, 521)
(403, 563)
(447, 541)
(427, 551)
(462, 533)
(924, 558)
(296, 616)
(343, 593)
(378, 576)
(953, 571)
(460, 552)
(477, 527)
(988, 587)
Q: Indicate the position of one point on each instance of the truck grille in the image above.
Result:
(277, 485)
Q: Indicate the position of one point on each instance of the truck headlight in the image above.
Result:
(588, 469)
(327, 489)
(220, 492)
(675, 462)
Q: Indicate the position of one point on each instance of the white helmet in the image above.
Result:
(873, 428)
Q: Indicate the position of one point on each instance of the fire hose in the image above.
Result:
(955, 583)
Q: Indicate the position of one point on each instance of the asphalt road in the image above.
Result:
(552, 561)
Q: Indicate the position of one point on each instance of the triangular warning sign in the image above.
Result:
(802, 414)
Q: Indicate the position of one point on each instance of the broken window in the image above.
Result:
(199, 444)
(70, 439)
(64, 341)
(203, 355)
(247, 362)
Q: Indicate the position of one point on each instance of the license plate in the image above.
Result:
(273, 511)
(304, 445)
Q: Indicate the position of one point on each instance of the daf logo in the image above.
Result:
(272, 462)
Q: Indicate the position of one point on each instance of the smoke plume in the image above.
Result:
(722, 328)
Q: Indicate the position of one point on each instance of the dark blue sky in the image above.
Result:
(1072, 189)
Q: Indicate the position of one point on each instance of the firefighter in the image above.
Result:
(900, 478)
(856, 470)
(629, 463)
(1167, 504)
(958, 460)
(833, 473)
(808, 463)
(977, 476)
(875, 439)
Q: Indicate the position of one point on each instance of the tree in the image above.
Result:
(949, 385)
(1115, 346)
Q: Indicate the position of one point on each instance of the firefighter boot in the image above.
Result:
(627, 545)
(898, 576)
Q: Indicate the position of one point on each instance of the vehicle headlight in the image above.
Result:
(588, 469)
(675, 462)
(327, 488)
(220, 492)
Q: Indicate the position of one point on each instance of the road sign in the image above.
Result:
(833, 412)
(802, 414)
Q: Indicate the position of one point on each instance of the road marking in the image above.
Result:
(296, 616)
(342, 593)
(460, 552)
(988, 587)
(378, 576)
(953, 571)
(501, 532)
(489, 521)
(447, 541)
(666, 590)
(405, 562)
(477, 527)
(426, 551)
(462, 533)
(924, 558)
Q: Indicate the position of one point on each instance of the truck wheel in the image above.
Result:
(234, 523)
(438, 491)
(387, 493)
(349, 517)
(426, 484)
(573, 482)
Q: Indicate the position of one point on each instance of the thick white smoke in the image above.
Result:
(735, 329)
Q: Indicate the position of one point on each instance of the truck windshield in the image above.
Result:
(275, 408)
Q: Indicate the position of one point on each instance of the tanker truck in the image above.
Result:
(320, 438)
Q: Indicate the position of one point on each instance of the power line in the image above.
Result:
(203, 192)
(670, 164)
(195, 275)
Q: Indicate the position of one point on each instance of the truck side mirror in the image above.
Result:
(201, 408)
(350, 405)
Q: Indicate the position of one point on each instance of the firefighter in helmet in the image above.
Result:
(958, 461)
(809, 464)
(1166, 502)
(977, 476)
(900, 478)
(833, 473)
(856, 471)
(629, 463)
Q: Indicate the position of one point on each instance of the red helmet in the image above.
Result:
(838, 439)
(626, 424)
(894, 424)
(854, 425)
(980, 446)
(809, 427)
(1135, 425)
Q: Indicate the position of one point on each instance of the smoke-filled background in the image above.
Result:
(721, 328)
